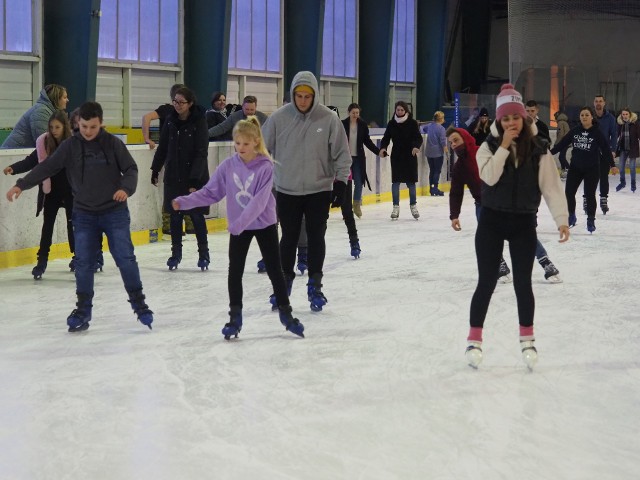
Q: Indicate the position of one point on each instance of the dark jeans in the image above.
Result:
(49, 212)
(493, 229)
(291, 208)
(347, 214)
(239, 246)
(199, 224)
(575, 176)
(435, 168)
(604, 176)
(88, 229)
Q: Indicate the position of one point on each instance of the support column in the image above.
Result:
(207, 26)
(374, 72)
(303, 29)
(70, 39)
(476, 37)
(432, 21)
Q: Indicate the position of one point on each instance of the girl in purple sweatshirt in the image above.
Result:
(246, 179)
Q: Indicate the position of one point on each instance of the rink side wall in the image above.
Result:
(20, 228)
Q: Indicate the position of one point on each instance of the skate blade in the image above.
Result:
(505, 279)
(554, 279)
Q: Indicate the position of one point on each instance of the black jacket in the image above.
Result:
(405, 136)
(95, 169)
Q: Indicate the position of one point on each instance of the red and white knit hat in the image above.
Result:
(509, 102)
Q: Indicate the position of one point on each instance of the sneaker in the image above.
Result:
(474, 354)
(604, 205)
(572, 220)
(414, 211)
(529, 353)
(620, 186)
(504, 274)
(395, 213)
(591, 224)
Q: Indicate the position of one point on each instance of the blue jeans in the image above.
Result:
(357, 180)
(88, 229)
(435, 168)
(624, 156)
(395, 193)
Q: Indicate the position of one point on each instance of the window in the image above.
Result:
(139, 31)
(339, 39)
(255, 35)
(16, 26)
(403, 50)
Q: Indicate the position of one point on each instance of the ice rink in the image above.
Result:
(378, 389)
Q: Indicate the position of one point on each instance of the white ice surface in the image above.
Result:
(379, 389)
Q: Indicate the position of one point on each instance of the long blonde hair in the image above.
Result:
(250, 128)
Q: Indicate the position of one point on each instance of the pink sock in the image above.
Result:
(475, 334)
(526, 333)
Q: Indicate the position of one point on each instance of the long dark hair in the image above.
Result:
(50, 143)
(524, 143)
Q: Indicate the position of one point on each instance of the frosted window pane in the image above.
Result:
(128, 30)
(149, 30)
(350, 40)
(327, 39)
(19, 36)
(169, 38)
(339, 42)
(1, 27)
(243, 34)
(394, 46)
(402, 39)
(273, 35)
(259, 35)
(232, 36)
(108, 28)
(410, 42)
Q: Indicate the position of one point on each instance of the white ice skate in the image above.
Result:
(504, 274)
(529, 353)
(414, 211)
(395, 213)
(474, 354)
(554, 279)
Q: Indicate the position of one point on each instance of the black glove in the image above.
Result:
(337, 195)
(154, 177)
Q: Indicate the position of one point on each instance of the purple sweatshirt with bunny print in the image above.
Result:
(247, 186)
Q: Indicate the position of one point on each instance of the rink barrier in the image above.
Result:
(20, 228)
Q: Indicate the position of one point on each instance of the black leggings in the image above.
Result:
(575, 176)
(347, 213)
(291, 208)
(239, 246)
(519, 230)
(50, 209)
(604, 168)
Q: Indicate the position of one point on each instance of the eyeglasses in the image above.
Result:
(179, 102)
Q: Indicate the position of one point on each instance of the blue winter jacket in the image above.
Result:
(31, 125)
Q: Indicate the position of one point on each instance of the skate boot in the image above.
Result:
(633, 187)
(504, 274)
(529, 353)
(551, 273)
(432, 191)
(620, 186)
(584, 204)
(39, 269)
(302, 260)
(438, 192)
(474, 353)
(232, 329)
(262, 268)
(99, 262)
(72, 264)
(314, 293)
(414, 211)
(395, 213)
(604, 205)
(80, 317)
(293, 325)
(175, 258)
(591, 224)
(204, 260)
(272, 298)
(563, 174)
(572, 220)
(141, 309)
(355, 248)
(357, 204)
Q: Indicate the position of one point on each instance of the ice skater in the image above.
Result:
(102, 175)
(516, 168)
(246, 179)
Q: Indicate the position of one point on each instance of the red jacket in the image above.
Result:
(465, 171)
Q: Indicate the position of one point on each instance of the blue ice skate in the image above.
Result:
(355, 249)
(293, 325)
(80, 317)
(272, 298)
(233, 327)
(314, 293)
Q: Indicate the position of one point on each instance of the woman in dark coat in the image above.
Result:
(404, 132)
(358, 136)
(184, 143)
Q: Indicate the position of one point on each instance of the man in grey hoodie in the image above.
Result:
(312, 165)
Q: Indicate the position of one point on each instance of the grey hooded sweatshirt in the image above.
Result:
(310, 150)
